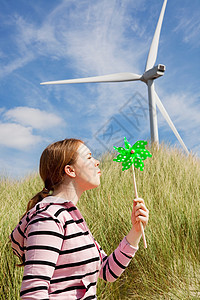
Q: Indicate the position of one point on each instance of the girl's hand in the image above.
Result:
(139, 214)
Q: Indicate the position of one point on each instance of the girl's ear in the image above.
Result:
(69, 170)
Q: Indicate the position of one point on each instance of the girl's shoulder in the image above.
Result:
(61, 212)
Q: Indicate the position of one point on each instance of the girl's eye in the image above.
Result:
(90, 157)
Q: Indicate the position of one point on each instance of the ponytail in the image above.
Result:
(37, 198)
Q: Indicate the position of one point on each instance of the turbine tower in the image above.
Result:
(150, 74)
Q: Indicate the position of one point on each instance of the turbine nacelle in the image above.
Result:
(153, 73)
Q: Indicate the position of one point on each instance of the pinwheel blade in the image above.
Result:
(169, 121)
(154, 44)
(118, 77)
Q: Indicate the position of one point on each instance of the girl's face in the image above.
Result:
(86, 169)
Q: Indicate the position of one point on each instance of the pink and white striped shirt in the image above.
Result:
(62, 259)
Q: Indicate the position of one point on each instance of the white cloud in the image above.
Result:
(93, 36)
(189, 26)
(183, 109)
(99, 46)
(2, 109)
(17, 136)
(37, 119)
(15, 64)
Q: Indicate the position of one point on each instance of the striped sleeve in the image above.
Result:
(115, 264)
(44, 240)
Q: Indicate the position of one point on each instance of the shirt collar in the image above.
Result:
(55, 199)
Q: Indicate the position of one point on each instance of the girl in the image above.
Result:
(61, 258)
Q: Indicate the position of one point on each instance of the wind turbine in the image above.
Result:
(150, 74)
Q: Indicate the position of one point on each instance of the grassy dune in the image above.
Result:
(170, 267)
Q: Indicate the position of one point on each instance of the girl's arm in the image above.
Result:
(114, 264)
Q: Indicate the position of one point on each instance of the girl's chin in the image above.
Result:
(94, 185)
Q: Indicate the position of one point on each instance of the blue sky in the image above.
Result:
(54, 40)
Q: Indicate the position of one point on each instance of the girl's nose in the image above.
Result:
(97, 162)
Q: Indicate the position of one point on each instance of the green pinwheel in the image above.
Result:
(132, 155)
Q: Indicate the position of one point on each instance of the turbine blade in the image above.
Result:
(118, 77)
(154, 44)
(169, 121)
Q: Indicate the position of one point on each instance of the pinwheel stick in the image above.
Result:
(136, 196)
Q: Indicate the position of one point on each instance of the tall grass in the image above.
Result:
(169, 267)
